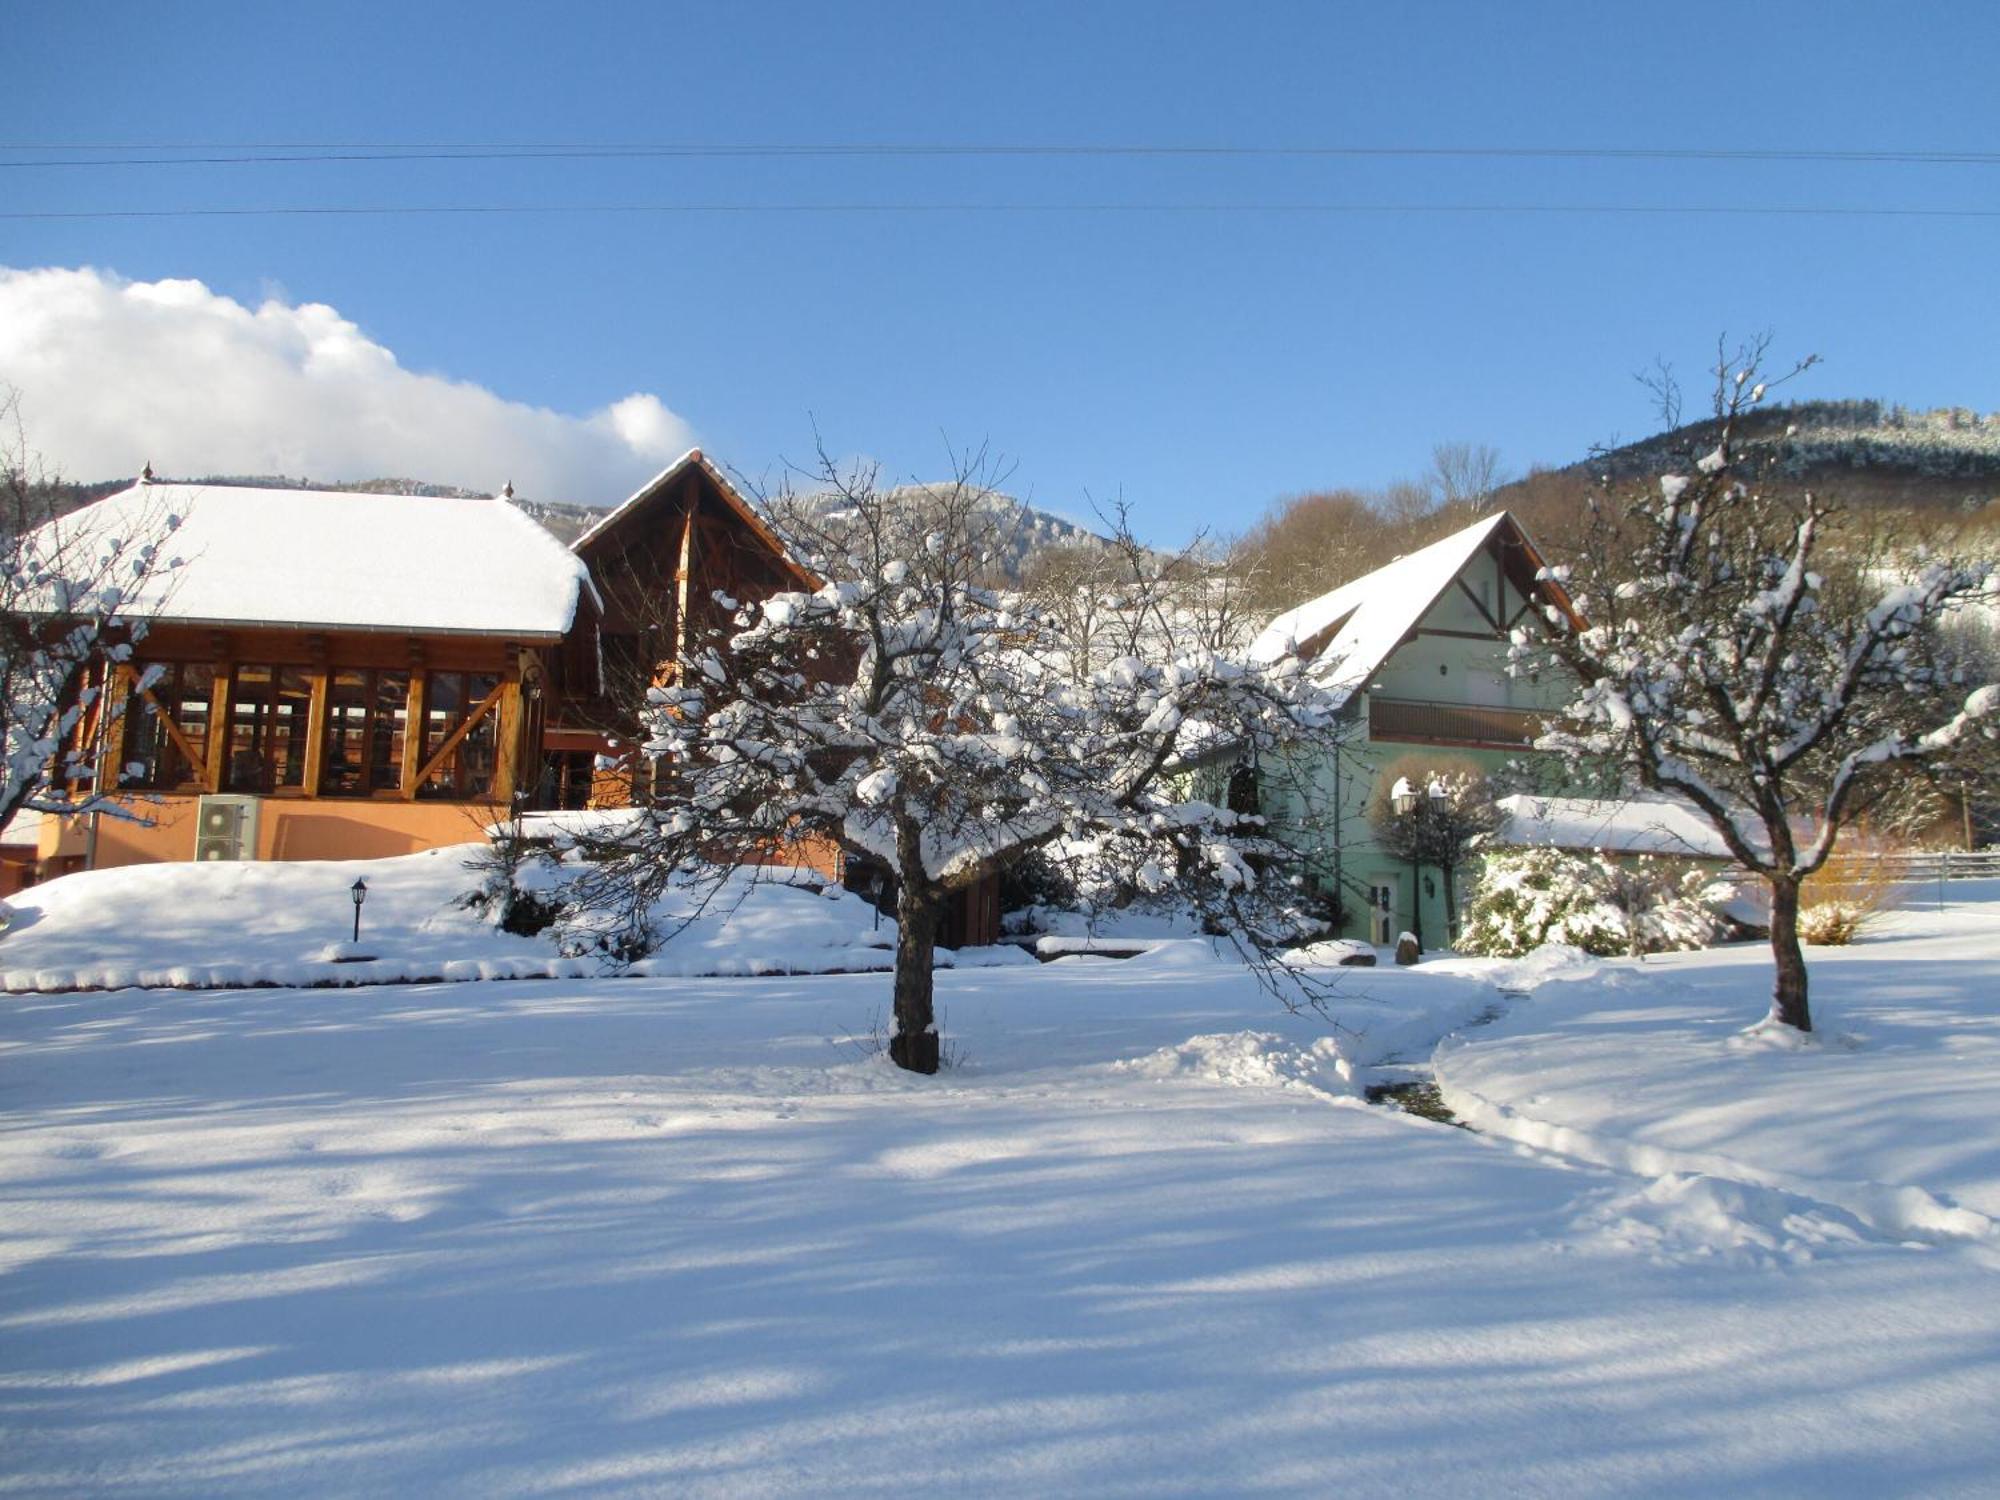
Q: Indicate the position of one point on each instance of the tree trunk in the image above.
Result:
(915, 1043)
(1788, 1003)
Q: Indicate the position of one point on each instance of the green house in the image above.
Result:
(1416, 652)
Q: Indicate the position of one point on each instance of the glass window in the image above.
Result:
(268, 713)
(450, 698)
(367, 714)
(179, 695)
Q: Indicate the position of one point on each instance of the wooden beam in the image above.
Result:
(408, 779)
(1460, 635)
(508, 748)
(451, 740)
(682, 571)
(1477, 602)
(220, 707)
(316, 715)
(108, 731)
(195, 759)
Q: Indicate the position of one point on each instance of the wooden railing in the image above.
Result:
(1420, 723)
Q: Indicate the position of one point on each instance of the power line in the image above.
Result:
(242, 153)
(1862, 211)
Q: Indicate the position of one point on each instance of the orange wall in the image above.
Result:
(288, 828)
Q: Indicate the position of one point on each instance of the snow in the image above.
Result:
(694, 1238)
(206, 926)
(326, 558)
(1882, 1117)
(1632, 825)
(1363, 621)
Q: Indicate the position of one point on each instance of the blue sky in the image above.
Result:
(1202, 363)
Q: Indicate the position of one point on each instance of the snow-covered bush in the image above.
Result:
(1526, 898)
(1832, 924)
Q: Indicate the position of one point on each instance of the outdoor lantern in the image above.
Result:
(359, 891)
(1403, 797)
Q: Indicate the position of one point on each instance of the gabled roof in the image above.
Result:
(1349, 633)
(336, 560)
(731, 496)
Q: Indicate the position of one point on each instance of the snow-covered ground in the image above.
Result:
(1883, 1124)
(205, 926)
(689, 1237)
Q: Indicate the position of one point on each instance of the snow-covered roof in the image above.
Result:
(409, 563)
(1350, 632)
(1634, 825)
(1347, 635)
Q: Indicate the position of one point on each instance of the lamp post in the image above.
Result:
(359, 891)
(1404, 799)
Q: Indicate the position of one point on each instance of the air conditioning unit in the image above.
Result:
(225, 828)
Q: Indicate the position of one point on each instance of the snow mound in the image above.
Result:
(1694, 1218)
(1773, 1035)
(1251, 1059)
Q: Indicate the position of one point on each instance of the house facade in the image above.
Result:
(343, 676)
(1416, 654)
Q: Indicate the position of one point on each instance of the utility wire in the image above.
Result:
(296, 152)
(1865, 211)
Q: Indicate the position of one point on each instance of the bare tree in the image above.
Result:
(911, 713)
(1463, 476)
(1747, 652)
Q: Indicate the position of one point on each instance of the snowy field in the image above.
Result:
(687, 1237)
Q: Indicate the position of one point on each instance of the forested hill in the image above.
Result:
(1862, 453)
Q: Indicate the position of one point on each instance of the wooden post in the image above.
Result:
(507, 738)
(220, 708)
(316, 713)
(109, 729)
(413, 730)
(683, 572)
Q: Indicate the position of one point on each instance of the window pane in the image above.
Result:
(346, 733)
(291, 706)
(179, 694)
(193, 683)
(392, 716)
(449, 699)
(249, 729)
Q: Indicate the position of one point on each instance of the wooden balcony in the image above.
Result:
(1408, 721)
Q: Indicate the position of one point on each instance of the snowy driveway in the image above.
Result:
(676, 1238)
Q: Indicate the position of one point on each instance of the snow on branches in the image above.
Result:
(913, 711)
(1746, 650)
(66, 624)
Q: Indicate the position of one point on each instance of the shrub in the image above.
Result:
(1845, 895)
(1831, 924)
(1526, 898)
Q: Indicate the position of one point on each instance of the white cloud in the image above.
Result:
(113, 373)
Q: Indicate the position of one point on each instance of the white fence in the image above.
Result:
(1945, 864)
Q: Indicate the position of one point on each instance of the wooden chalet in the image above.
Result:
(327, 675)
(345, 676)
